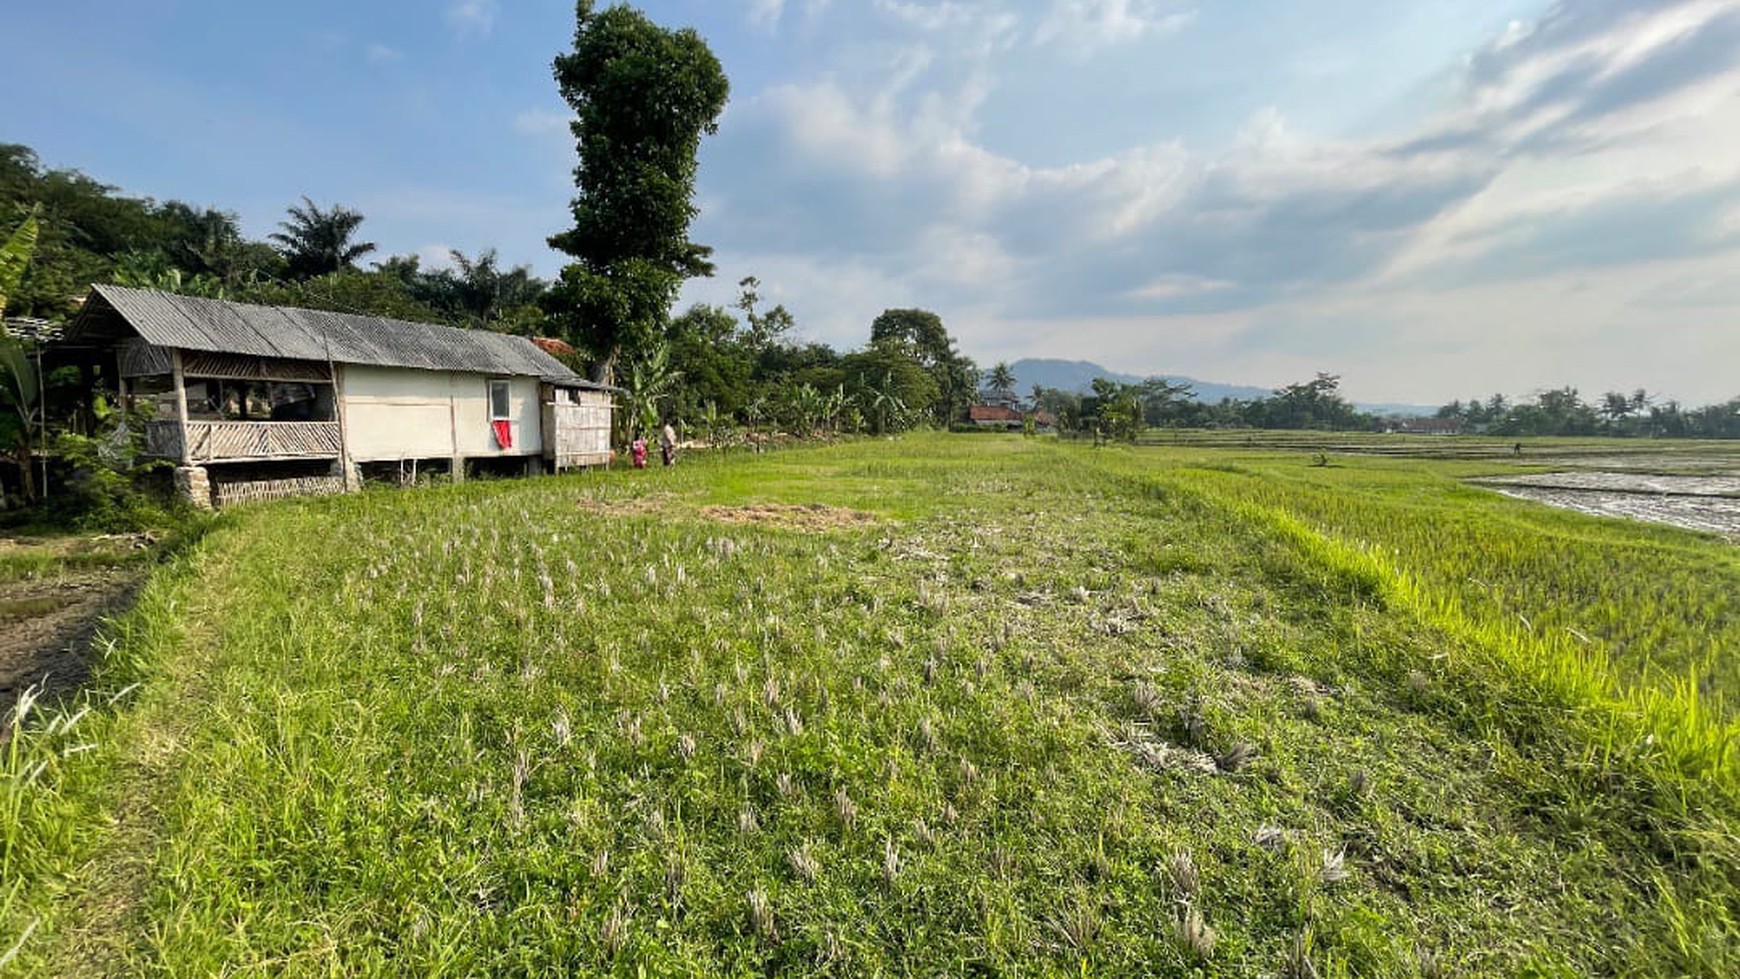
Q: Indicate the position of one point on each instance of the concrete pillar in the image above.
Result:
(349, 472)
(457, 467)
(194, 485)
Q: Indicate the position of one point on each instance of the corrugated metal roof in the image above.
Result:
(192, 323)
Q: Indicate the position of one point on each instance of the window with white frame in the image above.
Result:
(500, 409)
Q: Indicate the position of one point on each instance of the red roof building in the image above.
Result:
(994, 416)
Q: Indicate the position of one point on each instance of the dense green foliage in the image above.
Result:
(752, 374)
(1051, 710)
(643, 96)
(1122, 411)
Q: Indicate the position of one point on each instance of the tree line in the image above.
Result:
(1562, 411)
(1118, 410)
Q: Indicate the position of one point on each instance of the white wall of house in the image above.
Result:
(393, 413)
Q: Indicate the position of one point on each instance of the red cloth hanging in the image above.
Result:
(504, 433)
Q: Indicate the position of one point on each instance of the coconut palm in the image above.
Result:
(1001, 378)
(316, 242)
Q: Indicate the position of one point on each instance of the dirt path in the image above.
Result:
(48, 619)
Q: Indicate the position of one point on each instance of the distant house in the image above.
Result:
(1425, 426)
(994, 416)
(254, 402)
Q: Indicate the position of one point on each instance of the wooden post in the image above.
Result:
(180, 383)
(337, 373)
(456, 462)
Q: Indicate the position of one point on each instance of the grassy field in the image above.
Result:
(937, 706)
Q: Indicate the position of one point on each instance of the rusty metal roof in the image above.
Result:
(192, 323)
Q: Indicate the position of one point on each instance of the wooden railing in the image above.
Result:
(243, 441)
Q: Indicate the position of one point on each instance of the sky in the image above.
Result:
(1434, 199)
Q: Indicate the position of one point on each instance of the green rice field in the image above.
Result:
(943, 705)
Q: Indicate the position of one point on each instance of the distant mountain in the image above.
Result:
(1398, 411)
(1078, 376)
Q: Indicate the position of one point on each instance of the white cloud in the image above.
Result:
(975, 30)
(1086, 26)
(381, 54)
(472, 18)
(1578, 161)
(1177, 286)
(833, 299)
(541, 122)
(434, 258)
(766, 13)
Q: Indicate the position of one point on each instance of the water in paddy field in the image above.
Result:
(1707, 503)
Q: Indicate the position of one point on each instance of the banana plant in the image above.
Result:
(834, 408)
(806, 408)
(15, 256)
(20, 393)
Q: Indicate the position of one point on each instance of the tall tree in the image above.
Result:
(920, 333)
(766, 330)
(317, 242)
(1001, 380)
(643, 96)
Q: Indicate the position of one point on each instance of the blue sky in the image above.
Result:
(1434, 199)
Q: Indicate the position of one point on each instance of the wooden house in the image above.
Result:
(255, 402)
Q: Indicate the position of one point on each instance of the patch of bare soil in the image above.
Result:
(47, 626)
(801, 516)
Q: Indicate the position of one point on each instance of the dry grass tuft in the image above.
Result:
(1194, 935)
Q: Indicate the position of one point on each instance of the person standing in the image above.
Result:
(637, 450)
(668, 444)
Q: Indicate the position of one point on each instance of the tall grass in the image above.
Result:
(1052, 712)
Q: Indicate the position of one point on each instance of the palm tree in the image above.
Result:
(316, 242)
(1001, 378)
(481, 292)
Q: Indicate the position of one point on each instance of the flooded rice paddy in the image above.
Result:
(1695, 502)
